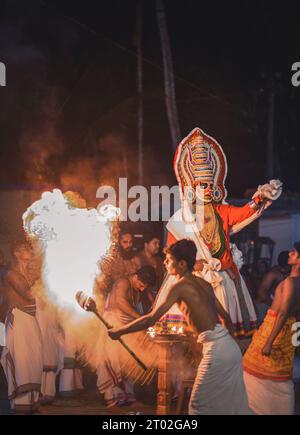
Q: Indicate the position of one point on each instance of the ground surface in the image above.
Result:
(85, 404)
(89, 403)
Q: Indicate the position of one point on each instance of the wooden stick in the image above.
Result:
(87, 303)
(108, 326)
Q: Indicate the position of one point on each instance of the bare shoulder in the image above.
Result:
(12, 277)
(290, 284)
(122, 284)
(183, 284)
(295, 282)
(273, 273)
(137, 260)
(201, 281)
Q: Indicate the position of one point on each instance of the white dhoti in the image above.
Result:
(2, 334)
(219, 386)
(111, 382)
(49, 330)
(231, 293)
(268, 397)
(268, 379)
(70, 382)
(227, 293)
(22, 359)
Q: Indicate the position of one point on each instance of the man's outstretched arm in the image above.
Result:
(149, 319)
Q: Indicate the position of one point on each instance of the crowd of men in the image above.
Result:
(38, 344)
(260, 382)
(37, 347)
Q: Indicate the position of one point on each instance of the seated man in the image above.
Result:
(120, 308)
(268, 362)
(22, 357)
(219, 386)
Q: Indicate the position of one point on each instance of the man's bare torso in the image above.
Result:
(196, 300)
(17, 289)
(123, 300)
(294, 310)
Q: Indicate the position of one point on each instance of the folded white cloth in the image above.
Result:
(268, 397)
(219, 386)
(22, 359)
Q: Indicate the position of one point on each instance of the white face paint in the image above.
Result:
(204, 191)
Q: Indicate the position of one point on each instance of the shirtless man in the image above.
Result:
(120, 308)
(219, 374)
(149, 256)
(120, 263)
(268, 362)
(22, 356)
(266, 289)
(272, 278)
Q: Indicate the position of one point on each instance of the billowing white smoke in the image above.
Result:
(74, 241)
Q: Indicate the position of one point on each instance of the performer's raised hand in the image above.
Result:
(267, 203)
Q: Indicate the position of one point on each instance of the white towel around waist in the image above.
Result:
(213, 335)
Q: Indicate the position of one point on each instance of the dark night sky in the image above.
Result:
(68, 114)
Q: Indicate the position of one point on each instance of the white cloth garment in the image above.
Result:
(112, 357)
(22, 359)
(2, 334)
(268, 397)
(219, 386)
(49, 330)
(70, 382)
(224, 287)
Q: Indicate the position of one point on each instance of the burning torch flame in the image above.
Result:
(74, 241)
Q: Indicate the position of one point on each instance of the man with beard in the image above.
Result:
(122, 262)
(129, 262)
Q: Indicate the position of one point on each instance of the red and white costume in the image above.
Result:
(200, 160)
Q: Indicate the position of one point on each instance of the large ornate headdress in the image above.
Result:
(199, 157)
